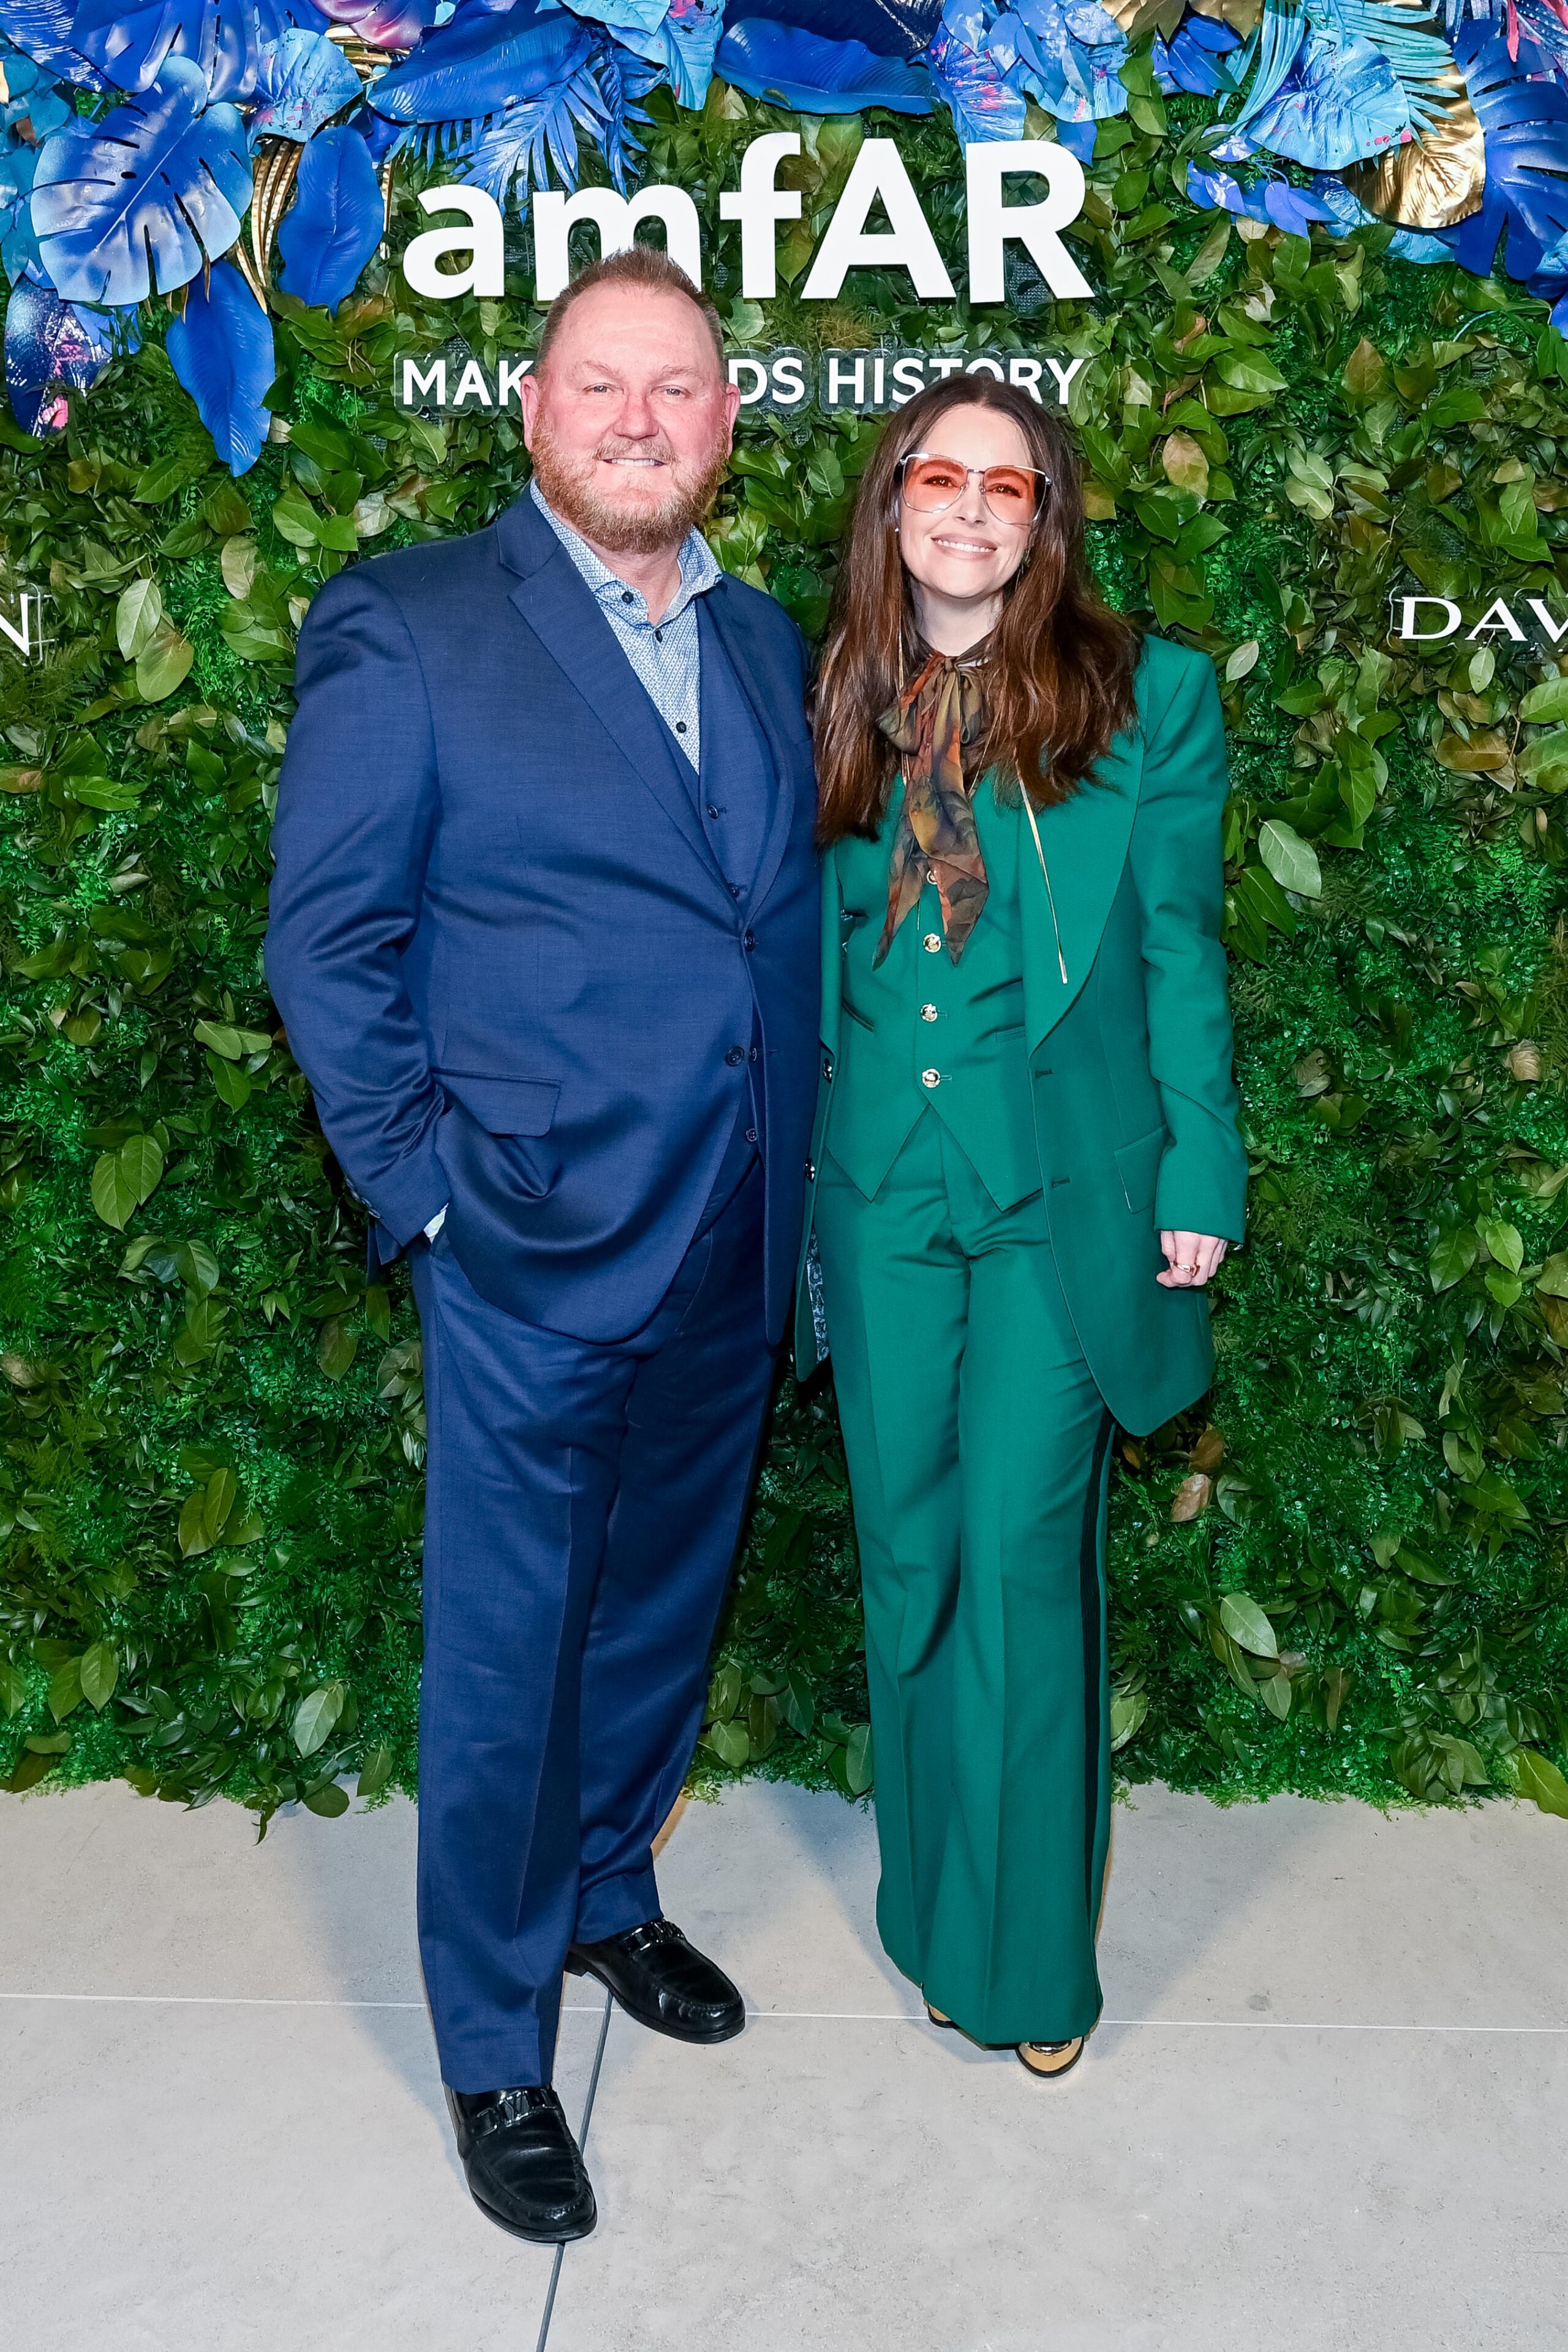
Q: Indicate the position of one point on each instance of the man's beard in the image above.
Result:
(567, 485)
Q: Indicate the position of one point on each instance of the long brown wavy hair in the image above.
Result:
(1059, 679)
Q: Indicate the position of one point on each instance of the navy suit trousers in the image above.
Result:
(584, 1504)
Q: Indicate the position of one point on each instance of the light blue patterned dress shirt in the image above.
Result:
(666, 658)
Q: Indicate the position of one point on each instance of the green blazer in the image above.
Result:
(1129, 1060)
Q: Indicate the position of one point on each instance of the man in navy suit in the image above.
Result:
(544, 935)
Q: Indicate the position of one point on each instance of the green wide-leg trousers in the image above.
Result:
(978, 1448)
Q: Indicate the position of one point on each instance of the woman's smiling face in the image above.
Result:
(965, 554)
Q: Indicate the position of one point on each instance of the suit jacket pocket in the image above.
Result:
(504, 1106)
(1138, 1165)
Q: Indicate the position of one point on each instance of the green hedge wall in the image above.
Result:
(1346, 1572)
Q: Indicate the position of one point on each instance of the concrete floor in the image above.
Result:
(1328, 2107)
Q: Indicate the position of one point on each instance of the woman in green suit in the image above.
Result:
(1025, 1167)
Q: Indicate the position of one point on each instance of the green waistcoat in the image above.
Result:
(921, 1029)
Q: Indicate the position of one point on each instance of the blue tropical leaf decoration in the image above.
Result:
(510, 153)
(482, 62)
(18, 245)
(1346, 212)
(1195, 60)
(889, 28)
(781, 63)
(386, 23)
(221, 350)
(976, 85)
(43, 29)
(1068, 56)
(627, 19)
(1523, 114)
(1273, 201)
(50, 344)
(692, 32)
(1341, 102)
(336, 221)
(130, 41)
(303, 82)
(140, 200)
(35, 103)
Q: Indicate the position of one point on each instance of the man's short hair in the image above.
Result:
(642, 266)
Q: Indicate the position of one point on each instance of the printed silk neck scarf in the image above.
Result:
(938, 723)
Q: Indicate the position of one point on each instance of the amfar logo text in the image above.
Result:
(1499, 620)
(877, 176)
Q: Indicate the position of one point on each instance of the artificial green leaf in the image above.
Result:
(327, 1799)
(316, 1716)
(164, 663)
(1249, 1625)
(99, 1671)
(136, 616)
(1453, 1255)
(1503, 1243)
(1292, 861)
(859, 1762)
(65, 1689)
(729, 1742)
(1537, 1778)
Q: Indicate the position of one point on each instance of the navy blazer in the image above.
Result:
(506, 957)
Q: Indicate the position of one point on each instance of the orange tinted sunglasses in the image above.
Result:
(1012, 493)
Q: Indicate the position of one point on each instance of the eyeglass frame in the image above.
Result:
(913, 456)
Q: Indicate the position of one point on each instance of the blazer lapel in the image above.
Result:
(1084, 840)
(723, 610)
(553, 599)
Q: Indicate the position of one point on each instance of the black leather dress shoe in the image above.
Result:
(525, 2168)
(660, 1979)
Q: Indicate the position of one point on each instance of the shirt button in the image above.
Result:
(932, 942)
(928, 1012)
(626, 595)
(658, 636)
(735, 1056)
(930, 1079)
(680, 725)
(828, 1065)
(748, 941)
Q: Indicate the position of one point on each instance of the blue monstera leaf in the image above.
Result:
(43, 29)
(781, 63)
(303, 82)
(139, 201)
(336, 221)
(51, 347)
(889, 28)
(1523, 114)
(482, 62)
(691, 37)
(131, 40)
(221, 350)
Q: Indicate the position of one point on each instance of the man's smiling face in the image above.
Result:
(629, 422)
